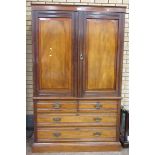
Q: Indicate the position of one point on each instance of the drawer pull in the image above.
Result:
(56, 106)
(57, 119)
(57, 134)
(97, 133)
(98, 105)
(97, 119)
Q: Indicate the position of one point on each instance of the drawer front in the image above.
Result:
(74, 120)
(98, 106)
(56, 106)
(76, 134)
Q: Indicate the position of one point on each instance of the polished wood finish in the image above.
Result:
(55, 53)
(98, 106)
(101, 49)
(76, 119)
(101, 54)
(76, 147)
(76, 98)
(79, 8)
(76, 134)
(77, 66)
(56, 106)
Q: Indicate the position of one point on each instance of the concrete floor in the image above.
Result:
(29, 143)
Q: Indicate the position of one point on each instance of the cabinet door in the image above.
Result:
(100, 54)
(54, 39)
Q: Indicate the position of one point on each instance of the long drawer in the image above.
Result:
(56, 106)
(106, 119)
(98, 106)
(76, 134)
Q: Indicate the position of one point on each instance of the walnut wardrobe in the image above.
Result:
(77, 63)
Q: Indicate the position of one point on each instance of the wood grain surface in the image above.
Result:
(70, 119)
(98, 106)
(76, 147)
(76, 134)
(56, 106)
(101, 54)
(77, 77)
(55, 52)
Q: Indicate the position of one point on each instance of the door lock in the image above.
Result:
(81, 56)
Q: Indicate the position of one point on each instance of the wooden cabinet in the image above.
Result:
(77, 57)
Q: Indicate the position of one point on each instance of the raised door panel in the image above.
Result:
(101, 53)
(55, 51)
(55, 57)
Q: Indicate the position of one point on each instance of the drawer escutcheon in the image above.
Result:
(97, 119)
(57, 119)
(56, 105)
(98, 105)
(57, 134)
(97, 133)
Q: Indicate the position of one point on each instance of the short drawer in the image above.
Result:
(76, 134)
(98, 106)
(56, 106)
(76, 119)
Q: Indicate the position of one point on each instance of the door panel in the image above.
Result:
(101, 46)
(56, 64)
(55, 51)
(99, 68)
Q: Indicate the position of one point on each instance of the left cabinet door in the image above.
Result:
(54, 48)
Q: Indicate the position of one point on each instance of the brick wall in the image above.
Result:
(29, 82)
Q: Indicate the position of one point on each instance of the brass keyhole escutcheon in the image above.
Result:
(57, 119)
(81, 56)
(97, 119)
(98, 105)
(97, 134)
(56, 105)
(57, 134)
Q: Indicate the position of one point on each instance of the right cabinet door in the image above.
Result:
(100, 54)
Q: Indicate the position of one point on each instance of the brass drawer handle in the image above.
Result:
(98, 105)
(57, 119)
(97, 119)
(56, 105)
(97, 133)
(57, 134)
